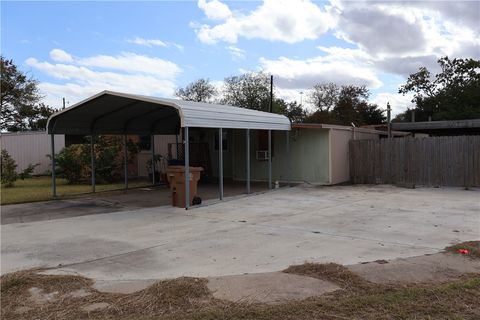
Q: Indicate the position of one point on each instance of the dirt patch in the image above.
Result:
(472, 249)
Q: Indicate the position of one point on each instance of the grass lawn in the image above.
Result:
(40, 189)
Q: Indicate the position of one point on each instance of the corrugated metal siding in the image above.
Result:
(31, 148)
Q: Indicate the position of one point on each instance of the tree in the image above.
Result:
(252, 91)
(452, 94)
(20, 100)
(249, 90)
(200, 91)
(343, 105)
(292, 110)
(8, 169)
(323, 96)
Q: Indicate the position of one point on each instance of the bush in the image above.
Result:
(27, 172)
(70, 163)
(7, 169)
(74, 162)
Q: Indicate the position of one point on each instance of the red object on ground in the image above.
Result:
(463, 251)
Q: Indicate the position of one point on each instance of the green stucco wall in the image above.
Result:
(309, 156)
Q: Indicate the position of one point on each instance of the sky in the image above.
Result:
(77, 49)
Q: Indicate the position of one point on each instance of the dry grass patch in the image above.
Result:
(189, 298)
(473, 248)
(162, 298)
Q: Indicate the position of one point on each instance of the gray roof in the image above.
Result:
(120, 113)
(451, 126)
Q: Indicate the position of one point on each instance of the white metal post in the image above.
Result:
(125, 160)
(187, 170)
(269, 159)
(152, 146)
(220, 162)
(248, 160)
(54, 182)
(288, 158)
(92, 155)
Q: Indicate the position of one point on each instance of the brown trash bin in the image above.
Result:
(176, 180)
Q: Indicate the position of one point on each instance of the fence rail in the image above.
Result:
(432, 161)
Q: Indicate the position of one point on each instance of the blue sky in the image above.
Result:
(76, 49)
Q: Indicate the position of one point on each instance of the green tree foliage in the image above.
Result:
(252, 91)
(343, 105)
(249, 90)
(292, 110)
(74, 161)
(8, 169)
(452, 94)
(21, 108)
(200, 91)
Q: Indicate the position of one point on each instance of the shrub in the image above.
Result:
(8, 169)
(74, 162)
(70, 163)
(27, 172)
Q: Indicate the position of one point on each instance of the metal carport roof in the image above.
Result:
(120, 113)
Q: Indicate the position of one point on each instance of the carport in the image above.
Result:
(127, 114)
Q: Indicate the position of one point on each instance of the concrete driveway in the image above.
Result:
(261, 233)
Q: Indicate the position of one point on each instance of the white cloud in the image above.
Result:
(126, 72)
(60, 56)
(214, 9)
(236, 53)
(290, 21)
(131, 62)
(301, 74)
(148, 42)
(154, 43)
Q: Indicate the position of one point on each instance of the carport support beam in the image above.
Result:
(54, 182)
(125, 160)
(176, 145)
(92, 155)
(220, 162)
(248, 160)
(288, 157)
(269, 159)
(187, 170)
(152, 145)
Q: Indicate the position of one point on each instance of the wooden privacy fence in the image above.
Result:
(432, 161)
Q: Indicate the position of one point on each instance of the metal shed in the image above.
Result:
(120, 113)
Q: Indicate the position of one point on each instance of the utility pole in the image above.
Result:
(63, 102)
(389, 120)
(271, 93)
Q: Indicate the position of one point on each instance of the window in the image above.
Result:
(263, 141)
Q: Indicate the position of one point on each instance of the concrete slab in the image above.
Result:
(428, 268)
(272, 287)
(112, 201)
(262, 233)
(122, 286)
